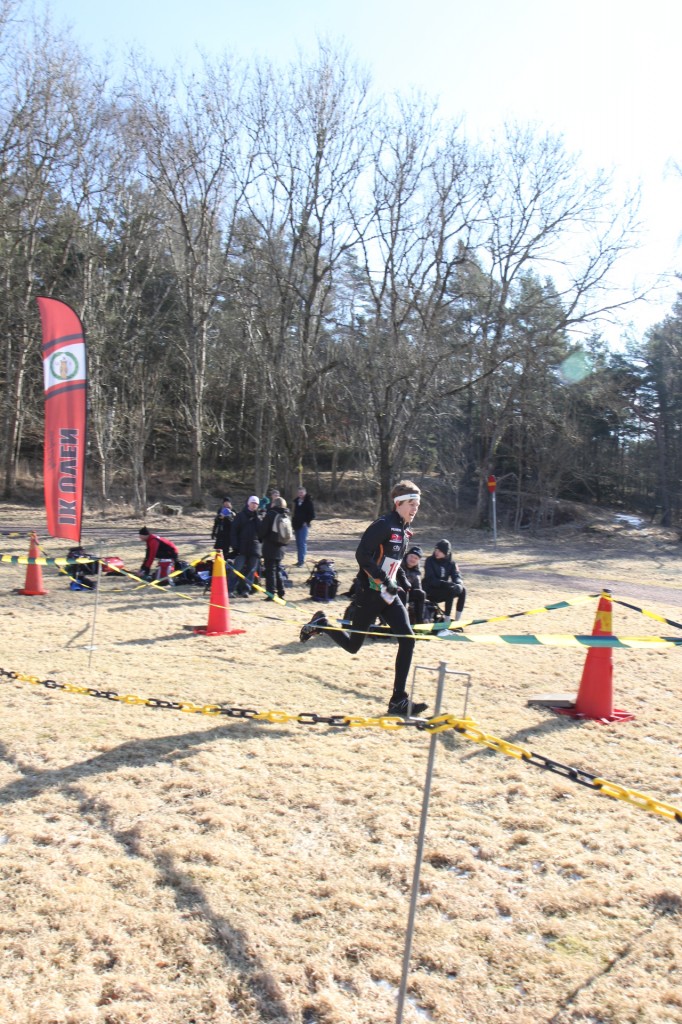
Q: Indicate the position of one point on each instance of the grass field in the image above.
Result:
(179, 868)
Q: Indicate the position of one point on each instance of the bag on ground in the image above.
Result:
(323, 581)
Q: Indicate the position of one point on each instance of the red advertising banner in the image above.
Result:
(64, 370)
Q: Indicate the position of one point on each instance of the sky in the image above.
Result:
(605, 74)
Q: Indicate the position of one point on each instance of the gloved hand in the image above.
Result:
(391, 587)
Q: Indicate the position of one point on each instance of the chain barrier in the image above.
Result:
(465, 727)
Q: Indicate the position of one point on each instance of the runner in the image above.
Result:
(379, 554)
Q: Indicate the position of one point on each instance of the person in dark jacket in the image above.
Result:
(273, 547)
(222, 528)
(416, 598)
(158, 548)
(247, 548)
(379, 554)
(303, 515)
(442, 579)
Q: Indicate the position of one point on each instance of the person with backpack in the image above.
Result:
(443, 580)
(247, 547)
(158, 548)
(379, 555)
(275, 532)
(304, 513)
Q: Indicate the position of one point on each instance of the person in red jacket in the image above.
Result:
(157, 548)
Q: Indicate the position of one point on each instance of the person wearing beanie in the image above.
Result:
(378, 587)
(443, 581)
(222, 528)
(416, 598)
(247, 547)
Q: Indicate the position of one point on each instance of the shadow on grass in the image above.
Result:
(132, 754)
(150, 641)
(233, 943)
(521, 736)
(661, 908)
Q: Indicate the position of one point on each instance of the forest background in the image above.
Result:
(283, 274)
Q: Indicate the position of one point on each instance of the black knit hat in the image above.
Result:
(416, 550)
(445, 547)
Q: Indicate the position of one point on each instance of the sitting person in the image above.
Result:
(442, 579)
(416, 597)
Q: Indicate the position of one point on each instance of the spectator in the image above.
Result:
(273, 547)
(247, 548)
(379, 554)
(416, 598)
(442, 579)
(158, 548)
(304, 513)
(267, 500)
(222, 528)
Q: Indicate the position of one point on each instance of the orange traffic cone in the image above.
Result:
(219, 608)
(33, 585)
(595, 695)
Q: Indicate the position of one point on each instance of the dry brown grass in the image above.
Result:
(180, 869)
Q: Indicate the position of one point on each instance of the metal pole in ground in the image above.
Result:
(94, 614)
(414, 896)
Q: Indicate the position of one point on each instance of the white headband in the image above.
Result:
(406, 497)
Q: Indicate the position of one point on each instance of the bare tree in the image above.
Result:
(309, 128)
(44, 123)
(544, 216)
(188, 137)
(424, 203)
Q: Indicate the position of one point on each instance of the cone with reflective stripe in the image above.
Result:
(595, 695)
(33, 584)
(219, 608)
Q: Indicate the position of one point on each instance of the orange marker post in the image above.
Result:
(33, 585)
(219, 608)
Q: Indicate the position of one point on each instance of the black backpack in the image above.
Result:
(323, 581)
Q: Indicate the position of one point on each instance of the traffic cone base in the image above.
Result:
(617, 715)
(205, 631)
(33, 584)
(219, 608)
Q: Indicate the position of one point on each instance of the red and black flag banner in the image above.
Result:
(64, 369)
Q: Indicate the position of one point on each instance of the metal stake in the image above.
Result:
(94, 614)
(409, 934)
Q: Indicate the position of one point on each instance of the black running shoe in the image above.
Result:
(311, 628)
(402, 708)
